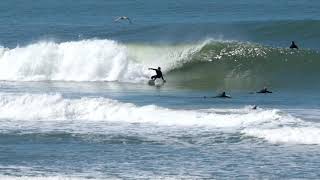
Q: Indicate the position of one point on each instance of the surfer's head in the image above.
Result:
(159, 68)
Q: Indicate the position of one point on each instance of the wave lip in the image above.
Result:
(31, 109)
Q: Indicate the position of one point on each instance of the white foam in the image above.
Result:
(89, 60)
(55, 107)
(292, 135)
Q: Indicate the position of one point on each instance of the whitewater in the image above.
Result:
(75, 115)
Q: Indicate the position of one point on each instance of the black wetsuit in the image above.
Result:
(158, 75)
(264, 91)
(223, 95)
(293, 46)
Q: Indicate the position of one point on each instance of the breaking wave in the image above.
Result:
(87, 60)
(208, 64)
(46, 113)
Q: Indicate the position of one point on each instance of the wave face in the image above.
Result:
(233, 65)
(207, 64)
(45, 113)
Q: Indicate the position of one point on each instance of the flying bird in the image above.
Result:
(123, 18)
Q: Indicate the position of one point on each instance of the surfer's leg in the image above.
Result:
(154, 77)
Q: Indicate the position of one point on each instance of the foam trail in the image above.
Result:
(271, 125)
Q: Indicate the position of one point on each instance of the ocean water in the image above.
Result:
(75, 101)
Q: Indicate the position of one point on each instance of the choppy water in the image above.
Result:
(75, 104)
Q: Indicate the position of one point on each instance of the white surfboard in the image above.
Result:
(151, 82)
(156, 83)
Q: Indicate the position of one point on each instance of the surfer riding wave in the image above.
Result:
(158, 74)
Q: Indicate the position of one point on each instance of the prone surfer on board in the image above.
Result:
(222, 95)
(158, 75)
(264, 91)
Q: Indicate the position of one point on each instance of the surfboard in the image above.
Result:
(151, 82)
(156, 83)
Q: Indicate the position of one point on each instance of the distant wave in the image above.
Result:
(209, 63)
(45, 113)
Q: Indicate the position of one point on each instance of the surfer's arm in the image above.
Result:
(152, 69)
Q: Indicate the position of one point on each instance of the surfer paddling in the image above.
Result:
(158, 74)
(264, 91)
(223, 95)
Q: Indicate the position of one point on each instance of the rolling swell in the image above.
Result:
(276, 33)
